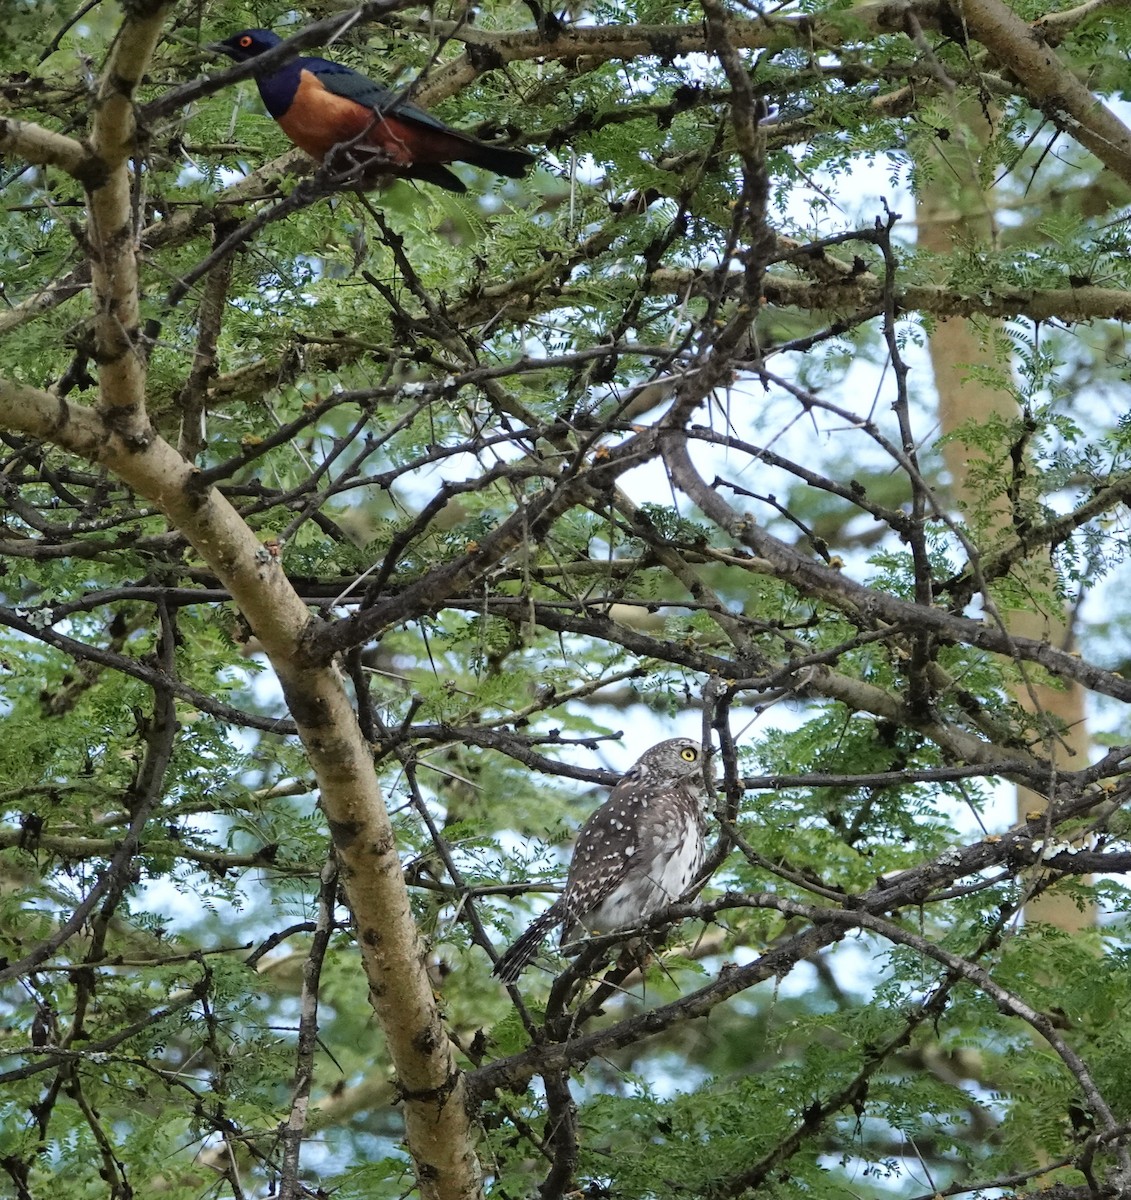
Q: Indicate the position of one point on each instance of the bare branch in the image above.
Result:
(112, 234)
(46, 148)
(1050, 85)
(294, 1129)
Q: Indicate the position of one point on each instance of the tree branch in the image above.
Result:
(46, 148)
(112, 236)
(1051, 87)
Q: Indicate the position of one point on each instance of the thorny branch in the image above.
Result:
(293, 1130)
(538, 448)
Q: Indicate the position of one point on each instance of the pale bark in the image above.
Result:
(120, 438)
(439, 1132)
(46, 148)
(964, 216)
(438, 1128)
(1051, 86)
(111, 234)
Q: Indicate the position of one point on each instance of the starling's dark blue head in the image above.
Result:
(248, 43)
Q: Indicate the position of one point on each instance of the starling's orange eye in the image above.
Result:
(246, 41)
(689, 755)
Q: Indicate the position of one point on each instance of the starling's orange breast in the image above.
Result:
(318, 120)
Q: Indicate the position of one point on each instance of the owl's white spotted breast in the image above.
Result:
(634, 857)
(638, 852)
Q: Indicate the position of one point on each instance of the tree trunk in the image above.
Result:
(957, 209)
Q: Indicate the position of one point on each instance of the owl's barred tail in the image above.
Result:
(516, 959)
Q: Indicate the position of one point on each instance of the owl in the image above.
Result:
(637, 853)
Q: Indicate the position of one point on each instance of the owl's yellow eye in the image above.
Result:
(689, 755)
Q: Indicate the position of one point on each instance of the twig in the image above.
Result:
(293, 1130)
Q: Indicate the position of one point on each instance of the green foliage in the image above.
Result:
(472, 415)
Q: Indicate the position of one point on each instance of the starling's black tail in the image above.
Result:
(500, 159)
(492, 158)
(512, 964)
(440, 176)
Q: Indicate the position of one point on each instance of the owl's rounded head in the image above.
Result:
(675, 759)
